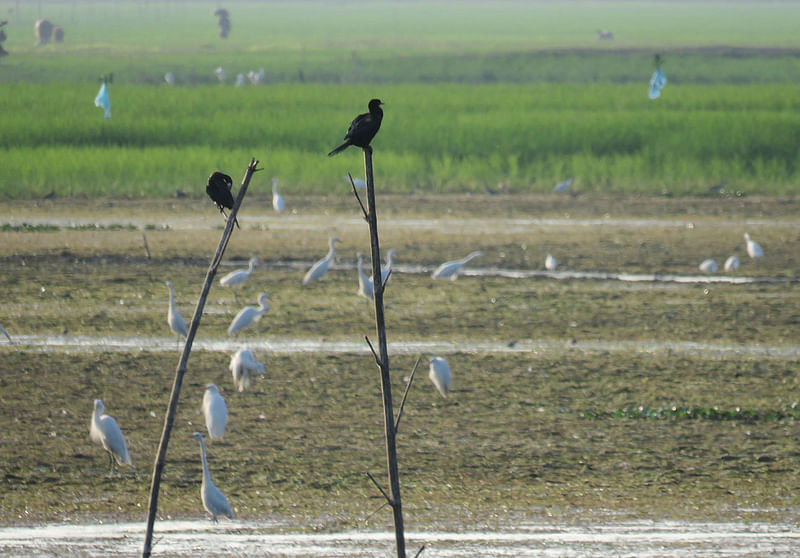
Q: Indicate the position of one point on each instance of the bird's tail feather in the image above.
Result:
(342, 147)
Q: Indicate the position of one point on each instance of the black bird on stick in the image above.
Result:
(219, 190)
(363, 128)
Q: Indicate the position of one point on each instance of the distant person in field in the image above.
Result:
(3, 37)
(363, 128)
(224, 22)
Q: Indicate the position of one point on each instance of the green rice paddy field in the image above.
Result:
(519, 93)
(595, 398)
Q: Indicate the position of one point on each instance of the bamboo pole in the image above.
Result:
(172, 409)
(382, 359)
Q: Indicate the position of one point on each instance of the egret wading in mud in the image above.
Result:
(550, 263)
(175, 321)
(440, 375)
(319, 269)
(215, 412)
(753, 248)
(732, 263)
(249, 314)
(563, 186)
(214, 501)
(365, 286)
(450, 270)
(277, 200)
(238, 277)
(105, 431)
(244, 367)
(708, 266)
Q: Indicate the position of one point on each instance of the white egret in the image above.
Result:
(169, 77)
(561, 186)
(358, 182)
(240, 80)
(708, 266)
(440, 375)
(319, 269)
(450, 270)
(753, 248)
(235, 278)
(277, 200)
(220, 73)
(4, 332)
(550, 263)
(243, 365)
(249, 314)
(732, 264)
(174, 319)
(365, 286)
(385, 270)
(106, 432)
(214, 501)
(215, 412)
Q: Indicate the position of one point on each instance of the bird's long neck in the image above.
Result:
(251, 266)
(331, 252)
(274, 188)
(262, 303)
(171, 298)
(206, 472)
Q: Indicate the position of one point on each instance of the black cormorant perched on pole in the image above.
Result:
(363, 128)
(219, 190)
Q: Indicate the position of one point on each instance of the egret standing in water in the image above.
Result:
(243, 365)
(106, 432)
(236, 278)
(365, 286)
(440, 375)
(277, 200)
(562, 186)
(753, 248)
(450, 270)
(214, 501)
(732, 264)
(215, 412)
(363, 128)
(319, 269)
(249, 314)
(357, 182)
(550, 263)
(175, 321)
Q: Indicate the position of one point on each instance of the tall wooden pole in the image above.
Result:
(383, 359)
(172, 409)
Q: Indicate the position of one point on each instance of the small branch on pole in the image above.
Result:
(405, 394)
(355, 193)
(379, 487)
(371, 348)
(172, 409)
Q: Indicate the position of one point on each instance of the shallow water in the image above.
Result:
(643, 539)
(89, 344)
(440, 224)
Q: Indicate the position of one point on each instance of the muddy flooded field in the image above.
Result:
(626, 403)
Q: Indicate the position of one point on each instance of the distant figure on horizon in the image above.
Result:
(658, 81)
(363, 128)
(605, 35)
(224, 22)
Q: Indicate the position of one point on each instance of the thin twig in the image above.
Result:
(405, 394)
(379, 487)
(146, 247)
(371, 348)
(172, 409)
(355, 193)
(419, 551)
(366, 519)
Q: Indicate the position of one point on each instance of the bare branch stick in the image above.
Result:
(146, 247)
(366, 519)
(419, 551)
(355, 193)
(379, 487)
(172, 409)
(371, 348)
(405, 394)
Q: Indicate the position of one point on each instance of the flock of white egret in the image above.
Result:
(753, 248)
